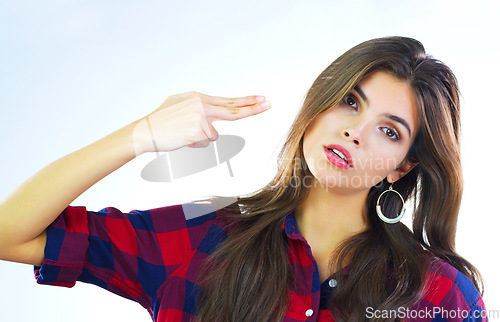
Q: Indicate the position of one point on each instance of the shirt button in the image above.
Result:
(332, 282)
(309, 312)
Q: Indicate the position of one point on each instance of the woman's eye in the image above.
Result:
(391, 133)
(351, 101)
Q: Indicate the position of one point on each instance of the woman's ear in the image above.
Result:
(401, 171)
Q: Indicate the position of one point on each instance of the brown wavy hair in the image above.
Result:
(247, 277)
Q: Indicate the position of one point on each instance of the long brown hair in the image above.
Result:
(246, 277)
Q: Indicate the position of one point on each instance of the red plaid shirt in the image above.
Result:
(153, 257)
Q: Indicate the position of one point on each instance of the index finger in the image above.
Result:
(217, 113)
(233, 102)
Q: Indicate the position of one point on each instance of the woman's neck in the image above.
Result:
(327, 217)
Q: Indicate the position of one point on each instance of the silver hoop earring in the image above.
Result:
(381, 214)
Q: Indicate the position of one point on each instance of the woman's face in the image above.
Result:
(369, 132)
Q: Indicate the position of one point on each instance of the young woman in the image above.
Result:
(321, 241)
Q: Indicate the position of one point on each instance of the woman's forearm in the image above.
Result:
(33, 206)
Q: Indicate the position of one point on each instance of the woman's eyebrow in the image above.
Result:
(360, 93)
(399, 120)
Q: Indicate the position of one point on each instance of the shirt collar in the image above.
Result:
(290, 226)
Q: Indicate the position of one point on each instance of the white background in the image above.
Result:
(72, 72)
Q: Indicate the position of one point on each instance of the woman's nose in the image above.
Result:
(358, 129)
(349, 134)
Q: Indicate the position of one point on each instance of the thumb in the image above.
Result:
(214, 135)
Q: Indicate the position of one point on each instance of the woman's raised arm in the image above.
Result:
(182, 120)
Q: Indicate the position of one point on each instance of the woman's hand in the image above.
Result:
(186, 120)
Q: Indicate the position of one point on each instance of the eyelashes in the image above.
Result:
(391, 133)
(351, 101)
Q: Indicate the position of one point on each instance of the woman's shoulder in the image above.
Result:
(448, 292)
(441, 274)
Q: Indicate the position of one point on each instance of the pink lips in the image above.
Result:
(336, 159)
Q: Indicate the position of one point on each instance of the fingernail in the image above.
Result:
(260, 98)
(265, 105)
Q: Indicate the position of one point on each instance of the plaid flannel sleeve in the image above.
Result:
(129, 254)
